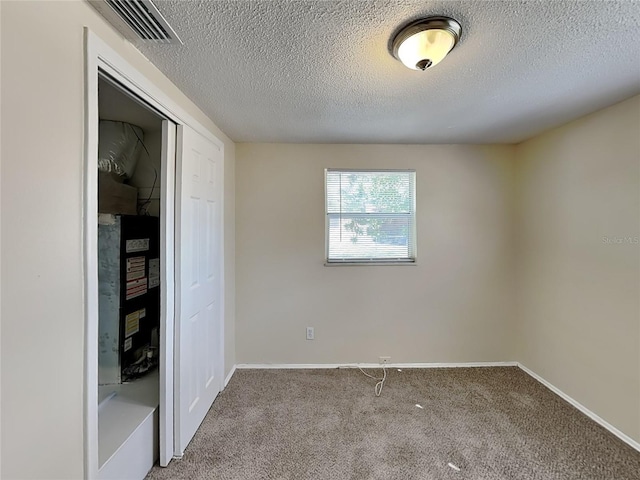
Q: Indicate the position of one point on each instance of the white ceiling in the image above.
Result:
(320, 71)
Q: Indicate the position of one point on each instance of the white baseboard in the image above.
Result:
(622, 436)
(371, 365)
(226, 380)
(452, 365)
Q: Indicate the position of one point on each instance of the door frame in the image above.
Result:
(101, 57)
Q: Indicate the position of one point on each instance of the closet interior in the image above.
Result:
(129, 189)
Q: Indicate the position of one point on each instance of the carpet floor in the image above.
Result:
(459, 423)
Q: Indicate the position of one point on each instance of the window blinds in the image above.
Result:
(370, 216)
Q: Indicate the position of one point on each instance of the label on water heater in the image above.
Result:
(132, 322)
(135, 288)
(154, 272)
(137, 245)
(135, 267)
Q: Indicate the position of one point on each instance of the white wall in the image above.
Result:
(579, 289)
(454, 306)
(42, 186)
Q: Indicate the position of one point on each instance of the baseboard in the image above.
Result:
(453, 365)
(226, 380)
(622, 436)
(371, 365)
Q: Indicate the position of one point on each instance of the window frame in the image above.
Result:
(373, 261)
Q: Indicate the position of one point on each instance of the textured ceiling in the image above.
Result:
(320, 71)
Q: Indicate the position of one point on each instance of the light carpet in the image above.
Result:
(463, 423)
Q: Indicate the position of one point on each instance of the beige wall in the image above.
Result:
(579, 290)
(42, 183)
(454, 306)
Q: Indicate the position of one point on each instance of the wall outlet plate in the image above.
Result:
(384, 360)
(310, 333)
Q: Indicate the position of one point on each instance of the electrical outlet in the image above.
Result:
(384, 360)
(310, 333)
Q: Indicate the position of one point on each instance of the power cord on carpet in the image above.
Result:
(380, 385)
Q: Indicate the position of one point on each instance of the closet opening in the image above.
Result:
(130, 262)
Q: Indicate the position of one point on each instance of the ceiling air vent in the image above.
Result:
(137, 20)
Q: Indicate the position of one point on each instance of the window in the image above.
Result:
(370, 216)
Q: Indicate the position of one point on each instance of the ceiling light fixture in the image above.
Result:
(424, 43)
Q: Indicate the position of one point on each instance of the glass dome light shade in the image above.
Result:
(429, 47)
(425, 43)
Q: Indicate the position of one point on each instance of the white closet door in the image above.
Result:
(199, 270)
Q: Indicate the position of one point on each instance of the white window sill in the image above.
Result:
(369, 264)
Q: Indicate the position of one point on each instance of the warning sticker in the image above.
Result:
(132, 323)
(137, 245)
(135, 288)
(128, 343)
(154, 272)
(135, 267)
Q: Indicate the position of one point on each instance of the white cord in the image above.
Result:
(380, 385)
